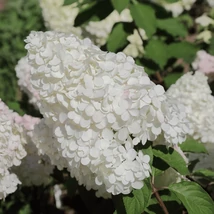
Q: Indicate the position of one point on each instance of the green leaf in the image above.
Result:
(120, 5)
(171, 78)
(191, 145)
(159, 164)
(171, 157)
(149, 71)
(206, 173)
(26, 209)
(170, 200)
(211, 46)
(68, 2)
(192, 164)
(16, 107)
(193, 197)
(187, 20)
(137, 201)
(93, 12)
(150, 67)
(183, 50)
(144, 17)
(118, 37)
(172, 26)
(156, 50)
(156, 171)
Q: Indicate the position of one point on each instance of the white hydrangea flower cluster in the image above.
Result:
(97, 106)
(205, 35)
(98, 31)
(23, 74)
(12, 139)
(60, 18)
(135, 48)
(35, 169)
(194, 92)
(8, 184)
(177, 7)
(204, 20)
(11, 150)
(177, 124)
(205, 161)
(57, 195)
(204, 63)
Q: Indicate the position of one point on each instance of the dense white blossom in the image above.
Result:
(177, 7)
(176, 126)
(204, 20)
(135, 46)
(205, 35)
(204, 63)
(8, 184)
(98, 31)
(57, 195)
(12, 150)
(35, 169)
(58, 17)
(23, 74)
(11, 138)
(193, 91)
(97, 106)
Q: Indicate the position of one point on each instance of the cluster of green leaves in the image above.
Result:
(18, 18)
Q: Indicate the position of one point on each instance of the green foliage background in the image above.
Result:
(16, 21)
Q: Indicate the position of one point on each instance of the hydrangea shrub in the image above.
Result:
(116, 106)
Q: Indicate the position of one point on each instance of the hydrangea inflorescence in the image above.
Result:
(11, 150)
(58, 17)
(23, 74)
(204, 63)
(194, 92)
(35, 168)
(176, 7)
(97, 106)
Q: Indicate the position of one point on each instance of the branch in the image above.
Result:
(157, 196)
